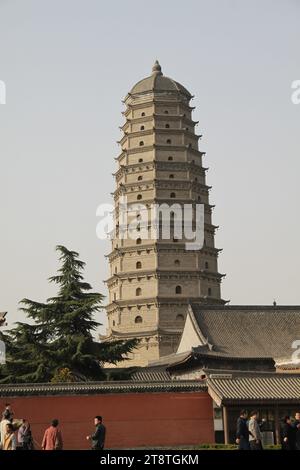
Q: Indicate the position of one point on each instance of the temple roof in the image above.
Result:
(148, 374)
(248, 331)
(159, 83)
(231, 388)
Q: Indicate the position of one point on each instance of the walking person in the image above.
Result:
(9, 439)
(98, 438)
(242, 431)
(3, 425)
(52, 438)
(255, 435)
(296, 426)
(8, 412)
(25, 440)
(288, 437)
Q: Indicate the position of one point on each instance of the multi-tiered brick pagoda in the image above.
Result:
(152, 281)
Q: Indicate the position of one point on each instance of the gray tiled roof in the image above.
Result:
(151, 375)
(249, 331)
(89, 388)
(249, 388)
(170, 359)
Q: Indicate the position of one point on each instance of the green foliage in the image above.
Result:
(60, 333)
(63, 375)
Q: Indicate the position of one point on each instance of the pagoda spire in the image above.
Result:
(156, 69)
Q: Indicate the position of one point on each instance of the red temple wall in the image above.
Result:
(132, 419)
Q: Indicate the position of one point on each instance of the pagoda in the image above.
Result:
(154, 279)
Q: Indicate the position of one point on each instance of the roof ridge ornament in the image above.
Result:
(156, 69)
(2, 318)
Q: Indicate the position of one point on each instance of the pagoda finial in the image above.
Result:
(156, 68)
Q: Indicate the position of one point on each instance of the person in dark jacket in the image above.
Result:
(288, 436)
(98, 438)
(296, 426)
(242, 431)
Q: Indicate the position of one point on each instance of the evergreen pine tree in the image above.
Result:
(60, 335)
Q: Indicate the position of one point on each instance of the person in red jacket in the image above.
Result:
(52, 438)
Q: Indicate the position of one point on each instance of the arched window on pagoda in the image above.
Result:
(179, 318)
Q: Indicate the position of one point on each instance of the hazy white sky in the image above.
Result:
(67, 64)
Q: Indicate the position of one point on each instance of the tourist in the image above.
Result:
(8, 412)
(25, 441)
(52, 438)
(98, 438)
(242, 431)
(3, 425)
(9, 439)
(288, 437)
(296, 426)
(255, 435)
